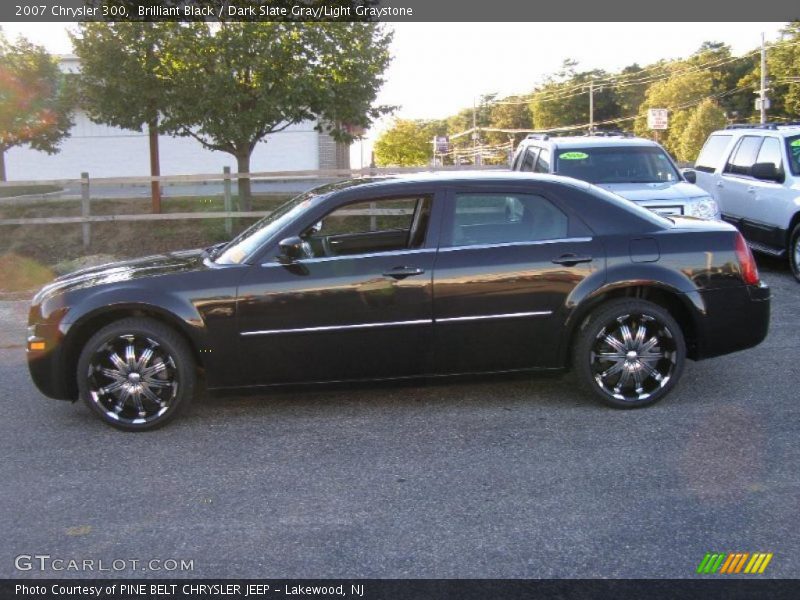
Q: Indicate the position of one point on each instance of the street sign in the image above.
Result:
(441, 144)
(657, 118)
(766, 104)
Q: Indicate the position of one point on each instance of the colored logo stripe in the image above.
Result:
(734, 562)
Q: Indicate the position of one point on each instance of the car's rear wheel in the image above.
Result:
(136, 374)
(630, 353)
(794, 252)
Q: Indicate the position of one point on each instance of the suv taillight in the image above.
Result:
(746, 261)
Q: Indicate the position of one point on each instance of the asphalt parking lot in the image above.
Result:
(521, 477)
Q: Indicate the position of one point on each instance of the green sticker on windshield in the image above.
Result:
(573, 155)
(795, 143)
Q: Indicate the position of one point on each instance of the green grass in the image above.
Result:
(27, 190)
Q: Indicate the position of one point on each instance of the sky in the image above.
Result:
(440, 68)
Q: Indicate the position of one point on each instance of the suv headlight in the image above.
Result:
(703, 207)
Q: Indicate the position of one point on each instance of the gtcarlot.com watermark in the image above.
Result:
(45, 563)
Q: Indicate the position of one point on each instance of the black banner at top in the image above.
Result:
(399, 10)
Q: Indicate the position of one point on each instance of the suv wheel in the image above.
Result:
(794, 252)
(136, 374)
(630, 353)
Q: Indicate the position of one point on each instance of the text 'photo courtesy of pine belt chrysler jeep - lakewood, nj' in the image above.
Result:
(406, 277)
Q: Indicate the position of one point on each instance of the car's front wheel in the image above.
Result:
(794, 252)
(630, 353)
(136, 374)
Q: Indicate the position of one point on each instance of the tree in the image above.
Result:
(35, 102)
(407, 143)
(236, 83)
(707, 117)
(564, 101)
(681, 93)
(121, 81)
(783, 60)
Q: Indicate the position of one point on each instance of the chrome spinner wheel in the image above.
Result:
(132, 379)
(633, 357)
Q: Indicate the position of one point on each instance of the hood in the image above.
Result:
(642, 192)
(128, 270)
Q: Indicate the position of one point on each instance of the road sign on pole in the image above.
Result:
(657, 118)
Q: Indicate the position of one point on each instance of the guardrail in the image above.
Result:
(226, 178)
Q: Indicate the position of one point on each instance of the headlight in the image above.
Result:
(703, 207)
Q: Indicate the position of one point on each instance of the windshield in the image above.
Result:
(632, 164)
(793, 150)
(249, 240)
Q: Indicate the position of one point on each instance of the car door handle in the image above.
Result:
(571, 259)
(403, 272)
(720, 184)
(751, 190)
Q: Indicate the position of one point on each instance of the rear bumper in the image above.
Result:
(735, 319)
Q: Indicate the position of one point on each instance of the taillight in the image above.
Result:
(746, 261)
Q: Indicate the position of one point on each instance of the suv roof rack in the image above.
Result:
(537, 136)
(608, 133)
(752, 126)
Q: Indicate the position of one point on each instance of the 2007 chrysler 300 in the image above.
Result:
(406, 277)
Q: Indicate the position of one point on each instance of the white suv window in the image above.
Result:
(744, 155)
(771, 153)
(793, 150)
(711, 154)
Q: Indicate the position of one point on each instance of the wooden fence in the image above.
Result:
(226, 178)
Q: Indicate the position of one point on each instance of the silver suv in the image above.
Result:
(634, 168)
(753, 172)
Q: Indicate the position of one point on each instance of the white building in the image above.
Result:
(104, 151)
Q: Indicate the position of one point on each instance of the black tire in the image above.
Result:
(633, 368)
(794, 252)
(139, 389)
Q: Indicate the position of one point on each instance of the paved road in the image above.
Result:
(493, 478)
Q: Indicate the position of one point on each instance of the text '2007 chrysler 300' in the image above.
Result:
(401, 277)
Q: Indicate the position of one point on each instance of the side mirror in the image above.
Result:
(294, 248)
(767, 172)
(690, 175)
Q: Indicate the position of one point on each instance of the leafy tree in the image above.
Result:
(35, 101)
(121, 81)
(509, 113)
(680, 93)
(783, 61)
(234, 84)
(407, 143)
(564, 102)
(707, 117)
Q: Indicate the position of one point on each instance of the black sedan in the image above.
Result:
(402, 277)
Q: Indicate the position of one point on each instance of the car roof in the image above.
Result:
(455, 177)
(783, 130)
(592, 141)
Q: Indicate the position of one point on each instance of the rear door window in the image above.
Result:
(744, 155)
(543, 164)
(771, 153)
(530, 159)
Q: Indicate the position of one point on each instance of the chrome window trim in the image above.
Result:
(538, 313)
(365, 255)
(506, 244)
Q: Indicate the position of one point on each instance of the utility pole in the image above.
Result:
(474, 132)
(591, 107)
(763, 100)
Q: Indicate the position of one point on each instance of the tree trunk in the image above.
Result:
(243, 166)
(2, 164)
(155, 166)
